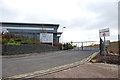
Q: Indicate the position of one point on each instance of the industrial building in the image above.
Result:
(45, 33)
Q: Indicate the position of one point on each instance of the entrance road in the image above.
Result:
(21, 65)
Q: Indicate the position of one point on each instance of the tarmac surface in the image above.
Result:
(12, 66)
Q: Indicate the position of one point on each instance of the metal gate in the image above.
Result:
(85, 45)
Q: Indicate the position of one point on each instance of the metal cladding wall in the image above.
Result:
(32, 30)
(27, 48)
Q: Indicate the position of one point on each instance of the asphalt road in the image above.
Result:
(21, 65)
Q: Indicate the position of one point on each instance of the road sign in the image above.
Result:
(104, 32)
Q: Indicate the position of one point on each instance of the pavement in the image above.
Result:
(89, 70)
(12, 66)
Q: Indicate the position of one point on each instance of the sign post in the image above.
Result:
(104, 47)
(104, 33)
(101, 49)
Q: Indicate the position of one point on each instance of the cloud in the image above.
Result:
(77, 16)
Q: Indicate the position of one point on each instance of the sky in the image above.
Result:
(82, 18)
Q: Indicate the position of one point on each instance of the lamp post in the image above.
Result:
(89, 42)
(62, 33)
(62, 37)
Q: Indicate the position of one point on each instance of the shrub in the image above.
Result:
(37, 42)
(11, 39)
(4, 40)
(18, 39)
(27, 41)
(57, 44)
(8, 36)
(67, 46)
(13, 43)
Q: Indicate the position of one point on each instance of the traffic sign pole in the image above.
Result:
(104, 47)
(104, 33)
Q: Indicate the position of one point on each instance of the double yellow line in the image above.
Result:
(53, 69)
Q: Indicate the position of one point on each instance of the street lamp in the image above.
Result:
(62, 33)
(62, 37)
(64, 27)
(89, 42)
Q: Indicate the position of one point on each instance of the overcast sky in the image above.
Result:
(82, 18)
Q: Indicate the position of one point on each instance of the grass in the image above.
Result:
(110, 59)
(113, 47)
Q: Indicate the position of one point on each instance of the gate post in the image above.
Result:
(82, 46)
(101, 46)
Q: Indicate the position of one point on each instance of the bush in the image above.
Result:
(4, 40)
(18, 39)
(57, 44)
(27, 41)
(9, 36)
(37, 42)
(13, 43)
(10, 39)
(67, 46)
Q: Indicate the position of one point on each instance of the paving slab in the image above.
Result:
(89, 70)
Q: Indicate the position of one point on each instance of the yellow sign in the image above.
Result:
(94, 60)
(93, 44)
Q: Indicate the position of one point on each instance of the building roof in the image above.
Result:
(19, 23)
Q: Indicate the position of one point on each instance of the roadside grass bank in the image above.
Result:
(112, 57)
(109, 59)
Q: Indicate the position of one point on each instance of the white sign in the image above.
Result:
(104, 32)
(46, 37)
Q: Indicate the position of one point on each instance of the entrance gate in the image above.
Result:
(85, 45)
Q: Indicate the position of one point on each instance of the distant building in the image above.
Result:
(46, 33)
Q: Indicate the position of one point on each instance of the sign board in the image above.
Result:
(104, 32)
(46, 37)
